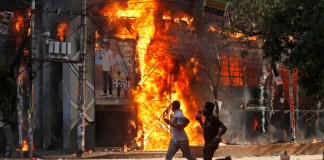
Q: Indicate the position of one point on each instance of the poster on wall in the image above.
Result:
(215, 7)
(5, 18)
(114, 71)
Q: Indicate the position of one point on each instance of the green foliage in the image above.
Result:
(247, 16)
(295, 30)
(293, 33)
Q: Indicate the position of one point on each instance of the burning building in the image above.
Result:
(168, 51)
(176, 57)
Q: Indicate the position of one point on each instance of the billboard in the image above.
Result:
(216, 7)
(5, 18)
(114, 71)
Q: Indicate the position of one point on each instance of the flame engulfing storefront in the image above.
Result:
(164, 72)
(178, 56)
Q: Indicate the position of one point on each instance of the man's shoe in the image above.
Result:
(109, 95)
(117, 101)
(103, 94)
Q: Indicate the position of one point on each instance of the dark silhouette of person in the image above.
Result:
(213, 129)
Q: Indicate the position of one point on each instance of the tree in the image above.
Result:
(292, 32)
(306, 56)
(249, 18)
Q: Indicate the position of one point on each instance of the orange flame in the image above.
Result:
(167, 17)
(26, 52)
(19, 25)
(195, 63)
(253, 38)
(178, 19)
(61, 31)
(158, 86)
(232, 74)
(29, 15)
(25, 145)
(29, 12)
(97, 45)
(239, 35)
(212, 29)
(314, 141)
(255, 124)
(97, 34)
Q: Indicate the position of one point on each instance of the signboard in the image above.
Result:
(5, 18)
(114, 72)
(216, 7)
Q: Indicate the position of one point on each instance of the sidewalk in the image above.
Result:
(292, 157)
(237, 152)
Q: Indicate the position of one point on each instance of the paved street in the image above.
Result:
(292, 157)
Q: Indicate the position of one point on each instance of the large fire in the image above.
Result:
(163, 78)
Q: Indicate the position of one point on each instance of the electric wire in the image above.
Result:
(30, 2)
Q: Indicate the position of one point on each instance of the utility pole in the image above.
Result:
(279, 83)
(318, 105)
(82, 81)
(292, 107)
(297, 106)
(244, 105)
(20, 118)
(30, 82)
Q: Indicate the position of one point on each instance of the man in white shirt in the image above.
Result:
(179, 138)
(107, 58)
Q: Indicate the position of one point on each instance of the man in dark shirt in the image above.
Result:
(211, 126)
